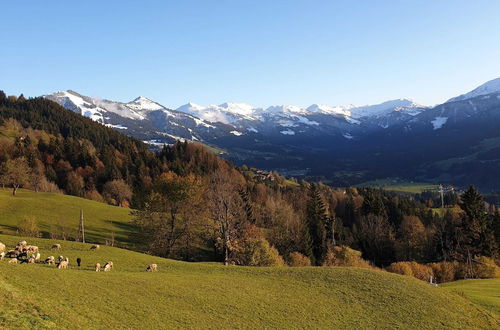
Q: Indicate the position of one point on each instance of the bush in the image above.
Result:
(259, 252)
(95, 196)
(421, 272)
(345, 256)
(446, 271)
(297, 259)
(485, 267)
(401, 268)
(28, 227)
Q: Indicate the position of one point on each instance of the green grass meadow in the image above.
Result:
(208, 295)
(399, 186)
(52, 210)
(485, 293)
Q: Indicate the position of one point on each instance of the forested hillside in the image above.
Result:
(191, 205)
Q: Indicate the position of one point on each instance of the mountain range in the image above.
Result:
(456, 142)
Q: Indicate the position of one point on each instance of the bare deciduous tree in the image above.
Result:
(226, 207)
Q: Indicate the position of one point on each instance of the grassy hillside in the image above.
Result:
(190, 295)
(54, 210)
(483, 292)
(400, 186)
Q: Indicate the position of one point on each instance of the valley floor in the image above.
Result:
(205, 295)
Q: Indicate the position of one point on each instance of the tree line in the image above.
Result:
(192, 205)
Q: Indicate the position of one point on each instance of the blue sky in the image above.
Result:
(258, 52)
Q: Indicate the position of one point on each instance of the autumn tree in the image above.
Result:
(16, 173)
(177, 203)
(375, 238)
(226, 207)
(37, 176)
(118, 191)
(75, 184)
(286, 227)
(411, 241)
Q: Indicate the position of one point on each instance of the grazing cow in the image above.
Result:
(152, 268)
(2, 247)
(78, 261)
(61, 258)
(95, 247)
(97, 267)
(2, 255)
(56, 246)
(13, 261)
(50, 260)
(108, 266)
(63, 264)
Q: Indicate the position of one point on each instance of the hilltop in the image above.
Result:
(189, 295)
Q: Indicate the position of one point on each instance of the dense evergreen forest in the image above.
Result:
(191, 205)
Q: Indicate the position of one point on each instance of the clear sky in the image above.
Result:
(258, 52)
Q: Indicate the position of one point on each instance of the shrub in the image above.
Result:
(95, 196)
(259, 252)
(345, 256)
(422, 272)
(485, 267)
(446, 271)
(401, 268)
(29, 227)
(297, 259)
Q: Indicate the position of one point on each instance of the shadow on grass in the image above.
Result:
(127, 230)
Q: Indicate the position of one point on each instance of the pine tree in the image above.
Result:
(316, 223)
(247, 205)
(477, 231)
(373, 203)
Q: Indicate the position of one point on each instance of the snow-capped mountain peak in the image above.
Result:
(142, 103)
(327, 109)
(283, 109)
(492, 86)
(238, 108)
(386, 108)
(227, 113)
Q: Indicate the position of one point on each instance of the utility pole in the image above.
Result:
(333, 230)
(81, 229)
(441, 191)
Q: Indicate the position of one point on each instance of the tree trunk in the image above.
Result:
(225, 249)
(14, 190)
(226, 256)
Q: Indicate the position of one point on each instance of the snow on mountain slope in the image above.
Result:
(197, 122)
(226, 113)
(438, 122)
(79, 104)
(141, 118)
(237, 114)
(97, 108)
(492, 86)
(336, 110)
(385, 108)
(144, 104)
